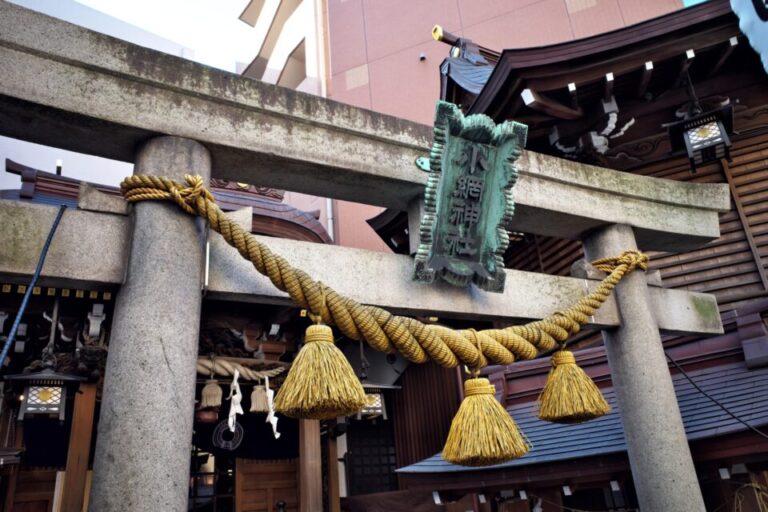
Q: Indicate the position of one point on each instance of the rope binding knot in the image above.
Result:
(478, 386)
(634, 259)
(142, 187)
(630, 259)
(318, 332)
(562, 357)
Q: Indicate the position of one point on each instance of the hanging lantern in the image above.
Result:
(374, 404)
(705, 137)
(45, 393)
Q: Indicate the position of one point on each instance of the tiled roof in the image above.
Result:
(744, 392)
(468, 75)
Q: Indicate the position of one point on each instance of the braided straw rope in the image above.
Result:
(383, 331)
(224, 368)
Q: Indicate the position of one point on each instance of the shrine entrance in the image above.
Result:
(175, 118)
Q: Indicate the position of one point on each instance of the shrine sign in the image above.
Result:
(468, 201)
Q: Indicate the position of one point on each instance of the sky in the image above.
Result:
(211, 29)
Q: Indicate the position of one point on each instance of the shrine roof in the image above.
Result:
(744, 392)
(270, 215)
(637, 74)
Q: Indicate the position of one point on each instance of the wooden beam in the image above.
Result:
(753, 248)
(645, 79)
(549, 106)
(513, 106)
(724, 54)
(310, 466)
(334, 501)
(608, 92)
(684, 66)
(574, 96)
(12, 478)
(79, 449)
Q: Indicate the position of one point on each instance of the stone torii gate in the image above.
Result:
(69, 87)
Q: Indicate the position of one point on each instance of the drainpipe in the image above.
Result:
(329, 218)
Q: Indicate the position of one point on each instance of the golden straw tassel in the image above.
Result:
(482, 432)
(259, 401)
(211, 395)
(320, 384)
(569, 395)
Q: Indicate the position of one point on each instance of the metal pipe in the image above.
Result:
(438, 34)
(330, 218)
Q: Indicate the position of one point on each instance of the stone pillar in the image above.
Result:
(145, 428)
(662, 467)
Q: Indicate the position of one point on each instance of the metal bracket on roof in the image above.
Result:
(95, 318)
(422, 163)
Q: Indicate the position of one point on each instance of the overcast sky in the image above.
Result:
(210, 28)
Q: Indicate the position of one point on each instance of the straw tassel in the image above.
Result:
(320, 384)
(569, 395)
(482, 432)
(259, 399)
(212, 394)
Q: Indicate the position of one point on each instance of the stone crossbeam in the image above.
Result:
(90, 249)
(66, 86)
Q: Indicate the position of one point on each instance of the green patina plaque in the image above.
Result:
(468, 202)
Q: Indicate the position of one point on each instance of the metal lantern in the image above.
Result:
(45, 393)
(704, 137)
(374, 404)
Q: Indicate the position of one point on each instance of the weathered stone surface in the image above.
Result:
(66, 86)
(582, 269)
(585, 270)
(654, 278)
(370, 277)
(562, 196)
(92, 199)
(87, 248)
(662, 467)
(384, 280)
(145, 427)
(257, 132)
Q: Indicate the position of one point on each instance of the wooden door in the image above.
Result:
(34, 491)
(260, 484)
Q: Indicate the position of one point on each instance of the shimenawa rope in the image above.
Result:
(321, 384)
(385, 332)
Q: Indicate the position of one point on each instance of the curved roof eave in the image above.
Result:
(591, 48)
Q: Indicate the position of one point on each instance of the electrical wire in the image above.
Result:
(713, 399)
(31, 285)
